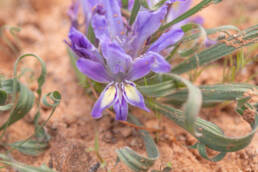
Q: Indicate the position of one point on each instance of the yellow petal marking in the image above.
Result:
(131, 93)
(109, 96)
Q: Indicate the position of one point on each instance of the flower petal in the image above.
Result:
(121, 109)
(114, 18)
(167, 39)
(82, 47)
(141, 67)
(133, 96)
(197, 20)
(88, 8)
(100, 25)
(144, 26)
(106, 99)
(160, 64)
(73, 13)
(93, 70)
(178, 8)
(116, 58)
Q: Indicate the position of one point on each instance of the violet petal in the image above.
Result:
(133, 96)
(167, 39)
(93, 70)
(105, 100)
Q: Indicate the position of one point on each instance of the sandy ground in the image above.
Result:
(44, 27)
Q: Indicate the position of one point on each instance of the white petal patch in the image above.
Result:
(131, 93)
(108, 97)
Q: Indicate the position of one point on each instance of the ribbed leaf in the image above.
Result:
(23, 167)
(6, 107)
(135, 161)
(192, 104)
(24, 102)
(30, 147)
(202, 151)
(157, 90)
(245, 38)
(38, 143)
(211, 94)
(211, 135)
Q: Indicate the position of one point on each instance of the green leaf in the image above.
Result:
(211, 94)
(6, 107)
(125, 4)
(135, 10)
(225, 28)
(13, 31)
(202, 151)
(136, 7)
(30, 147)
(55, 98)
(132, 159)
(7, 86)
(211, 135)
(188, 13)
(24, 102)
(144, 3)
(3, 96)
(244, 38)
(159, 4)
(157, 90)
(91, 35)
(192, 105)
(196, 43)
(23, 167)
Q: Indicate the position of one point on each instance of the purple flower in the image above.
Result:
(119, 59)
(119, 71)
(73, 13)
